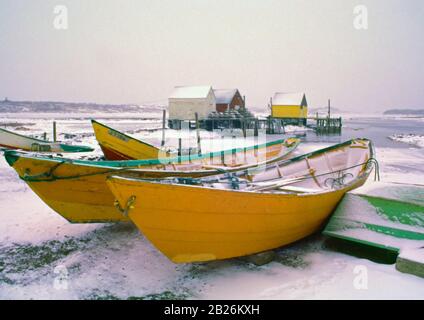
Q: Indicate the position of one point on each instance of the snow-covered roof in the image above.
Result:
(288, 99)
(182, 92)
(224, 95)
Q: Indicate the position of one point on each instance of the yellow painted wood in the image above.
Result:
(125, 145)
(78, 191)
(289, 111)
(286, 202)
(190, 224)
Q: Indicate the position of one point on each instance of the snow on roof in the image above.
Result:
(288, 99)
(190, 92)
(224, 95)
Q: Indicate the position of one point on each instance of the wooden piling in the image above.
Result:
(256, 134)
(199, 150)
(179, 149)
(256, 130)
(54, 131)
(243, 124)
(233, 153)
(163, 127)
(329, 107)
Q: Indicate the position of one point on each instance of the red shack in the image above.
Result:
(227, 99)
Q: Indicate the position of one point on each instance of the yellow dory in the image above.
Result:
(219, 218)
(119, 146)
(77, 190)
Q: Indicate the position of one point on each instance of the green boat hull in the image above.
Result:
(387, 216)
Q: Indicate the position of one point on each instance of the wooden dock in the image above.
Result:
(321, 125)
(326, 125)
(271, 125)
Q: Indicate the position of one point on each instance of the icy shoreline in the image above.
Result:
(114, 261)
(412, 139)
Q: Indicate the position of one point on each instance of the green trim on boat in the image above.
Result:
(11, 157)
(72, 148)
(146, 162)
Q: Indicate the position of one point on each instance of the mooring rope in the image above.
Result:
(50, 176)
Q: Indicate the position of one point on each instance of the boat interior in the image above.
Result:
(327, 169)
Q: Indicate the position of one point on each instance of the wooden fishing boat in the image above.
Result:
(192, 220)
(77, 190)
(12, 140)
(390, 218)
(119, 146)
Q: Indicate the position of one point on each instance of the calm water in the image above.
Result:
(376, 129)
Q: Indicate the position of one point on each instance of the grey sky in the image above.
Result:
(137, 51)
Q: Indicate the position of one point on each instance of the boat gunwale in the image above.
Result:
(27, 137)
(352, 183)
(60, 144)
(69, 148)
(249, 192)
(134, 164)
(120, 132)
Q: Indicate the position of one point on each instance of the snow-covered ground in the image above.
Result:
(42, 256)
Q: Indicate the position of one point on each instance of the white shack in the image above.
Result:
(185, 101)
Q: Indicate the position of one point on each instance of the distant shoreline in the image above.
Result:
(405, 112)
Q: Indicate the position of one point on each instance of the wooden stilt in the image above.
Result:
(54, 131)
(199, 150)
(163, 128)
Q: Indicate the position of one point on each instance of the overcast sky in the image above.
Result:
(137, 51)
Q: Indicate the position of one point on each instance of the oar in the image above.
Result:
(270, 186)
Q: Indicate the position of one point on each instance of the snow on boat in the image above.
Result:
(11, 140)
(385, 216)
(192, 220)
(77, 190)
(119, 146)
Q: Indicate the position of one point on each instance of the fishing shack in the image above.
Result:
(228, 99)
(290, 108)
(187, 101)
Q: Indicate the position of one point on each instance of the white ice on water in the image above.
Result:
(412, 139)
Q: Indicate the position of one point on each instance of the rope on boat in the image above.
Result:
(231, 176)
(339, 181)
(129, 205)
(50, 176)
(37, 177)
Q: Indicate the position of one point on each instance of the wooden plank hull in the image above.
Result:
(77, 189)
(11, 140)
(190, 225)
(193, 223)
(119, 146)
